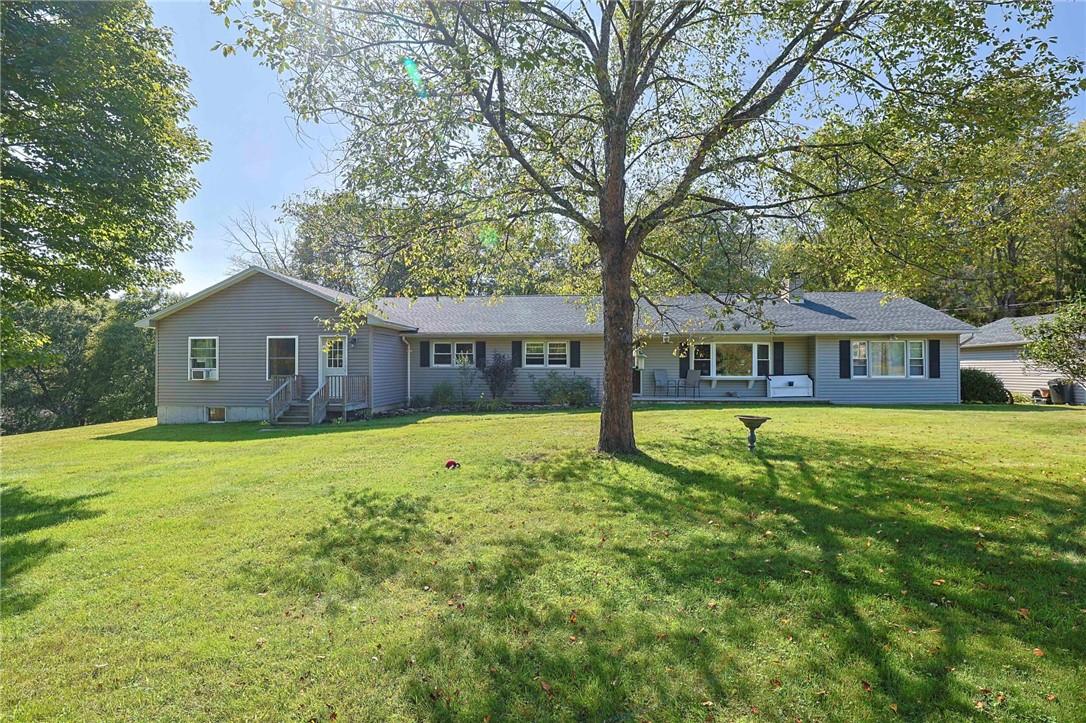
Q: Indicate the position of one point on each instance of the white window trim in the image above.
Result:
(267, 356)
(452, 353)
(188, 358)
(546, 354)
(753, 359)
(893, 377)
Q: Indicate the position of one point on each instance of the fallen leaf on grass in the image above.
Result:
(938, 582)
(546, 688)
(1023, 613)
(866, 685)
(1038, 652)
(893, 707)
(573, 617)
(1051, 697)
(775, 683)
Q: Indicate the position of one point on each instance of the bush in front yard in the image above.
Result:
(562, 390)
(984, 387)
(443, 395)
(499, 375)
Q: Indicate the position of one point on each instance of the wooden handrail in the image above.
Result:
(279, 400)
(318, 402)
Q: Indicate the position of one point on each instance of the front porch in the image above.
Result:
(287, 405)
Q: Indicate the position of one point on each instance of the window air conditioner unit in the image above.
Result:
(205, 375)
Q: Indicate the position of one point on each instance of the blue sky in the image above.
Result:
(258, 156)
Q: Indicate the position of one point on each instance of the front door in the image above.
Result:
(333, 363)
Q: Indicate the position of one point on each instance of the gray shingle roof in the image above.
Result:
(819, 312)
(1002, 331)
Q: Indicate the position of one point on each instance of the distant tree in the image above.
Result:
(1059, 343)
(119, 362)
(97, 153)
(983, 230)
(98, 367)
(622, 121)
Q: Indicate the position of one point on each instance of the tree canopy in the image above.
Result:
(984, 231)
(661, 137)
(1059, 342)
(97, 154)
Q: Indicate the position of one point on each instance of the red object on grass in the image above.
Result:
(452, 464)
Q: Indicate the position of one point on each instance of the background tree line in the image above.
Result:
(97, 367)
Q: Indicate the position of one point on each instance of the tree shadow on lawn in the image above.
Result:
(656, 592)
(258, 432)
(27, 512)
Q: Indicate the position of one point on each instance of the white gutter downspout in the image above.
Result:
(408, 345)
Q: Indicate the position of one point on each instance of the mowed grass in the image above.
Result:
(864, 564)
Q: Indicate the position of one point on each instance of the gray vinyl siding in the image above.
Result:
(830, 387)
(389, 379)
(1006, 363)
(242, 316)
(423, 379)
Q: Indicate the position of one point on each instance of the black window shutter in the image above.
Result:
(684, 360)
(480, 355)
(575, 353)
(933, 359)
(424, 353)
(517, 356)
(778, 358)
(844, 350)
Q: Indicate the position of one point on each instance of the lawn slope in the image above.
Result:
(865, 563)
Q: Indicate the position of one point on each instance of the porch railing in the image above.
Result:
(286, 389)
(348, 389)
(318, 401)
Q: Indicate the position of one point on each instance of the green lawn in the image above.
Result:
(930, 562)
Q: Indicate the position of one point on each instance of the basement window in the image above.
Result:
(216, 414)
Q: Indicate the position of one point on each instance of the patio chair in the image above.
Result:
(660, 379)
(692, 384)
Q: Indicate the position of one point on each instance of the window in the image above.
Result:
(446, 353)
(916, 358)
(889, 359)
(557, 354)
(763, 360)
(333, 352)
(703, 359)
(216, 414)
(734, 360)
(282, 356)
(203, 358)
(859, 358)
(535, 353)
(731, 359)
(546, 353)
(442, 354)
(465, 353)
(886, 358)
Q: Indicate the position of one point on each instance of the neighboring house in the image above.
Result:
(997, 348)
(257, 346)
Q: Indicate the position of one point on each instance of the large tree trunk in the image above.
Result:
(616, 418)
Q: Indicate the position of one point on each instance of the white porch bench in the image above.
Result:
(790, 385)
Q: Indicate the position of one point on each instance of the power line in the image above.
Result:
(1005, 306)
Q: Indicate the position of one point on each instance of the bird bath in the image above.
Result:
(752, 423)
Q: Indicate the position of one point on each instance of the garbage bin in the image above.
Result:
(1060, 390)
